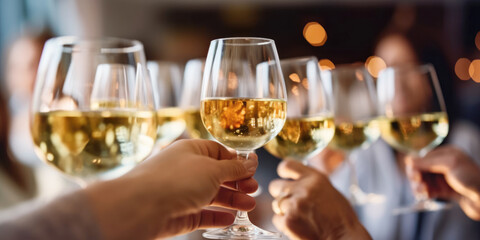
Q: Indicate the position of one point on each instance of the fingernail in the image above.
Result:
(250, 165)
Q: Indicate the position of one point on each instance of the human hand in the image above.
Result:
(327, 161)
(166, 194)
(309, 207)
(455, 176)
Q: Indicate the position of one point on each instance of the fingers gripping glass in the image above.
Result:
(243, 106)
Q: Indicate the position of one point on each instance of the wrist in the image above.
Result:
(355, 231)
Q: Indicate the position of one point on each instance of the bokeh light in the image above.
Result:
(477, 40)
(474, 70)
(315, 34)
(326, 64)
(462, 68)
(294, 77)
(374, 65)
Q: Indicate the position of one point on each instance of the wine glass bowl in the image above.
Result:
(243, 106)
(190, 100)
(92, 112)
(167, 87)
(414, 118)
(353, 92)
(309, 126)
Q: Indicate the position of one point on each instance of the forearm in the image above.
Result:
(125, 210)
(69, 217)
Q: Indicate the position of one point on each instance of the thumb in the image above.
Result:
(233, 170)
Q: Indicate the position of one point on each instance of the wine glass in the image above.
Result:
(414, 119)
(167, 84)
(355, 111)
(243, 107)
(190, 101)
(309, 126)
(92, 111)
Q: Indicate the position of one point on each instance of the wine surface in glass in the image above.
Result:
(195, 126)
(87, 143)
(243, 124)
(301, 137)
(415, 134)
(171, 124)
(349, 136)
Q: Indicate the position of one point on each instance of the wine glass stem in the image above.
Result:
(353, 172)
(242, 216)
(418, 187)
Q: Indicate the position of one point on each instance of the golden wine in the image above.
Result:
(415, 134)
(171, 124)
(302, 137)
(195, 126)
(349, 136)
(243, 124)
(95, 143)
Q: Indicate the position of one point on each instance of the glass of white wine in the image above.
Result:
(414, 119)
(309, 126)
(92, 111)
(243, 107)
(355, 112)
(190, 100)
(167, 86)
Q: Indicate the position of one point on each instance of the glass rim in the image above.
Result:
(347, 67)
(423, 67)
(298, 59)
(68, 44)
(257, 41)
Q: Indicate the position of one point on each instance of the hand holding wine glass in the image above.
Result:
(92, 111)
(415, 119)
(243, 107)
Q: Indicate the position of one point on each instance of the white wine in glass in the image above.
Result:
(167, 85)
(355, 111)
(190, 100)
(309, 126)
(92, 111)
(414, 118)
(243, 106)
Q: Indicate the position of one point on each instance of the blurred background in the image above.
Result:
(445, 33)
(344, 31)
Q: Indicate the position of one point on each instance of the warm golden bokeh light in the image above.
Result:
(232, 80)
(315, 34)
(294, 77)
(305, 83)
(374, 65)
(326, 64)
(474, 70)
(359, 75)
(477, 40)
(462, 68)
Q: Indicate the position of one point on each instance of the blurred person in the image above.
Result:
(162, 197)
(382, 171)
(16, 179)
(22, 60)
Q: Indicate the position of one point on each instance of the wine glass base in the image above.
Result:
(423, 206)
(241, 231)
(359, 197)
